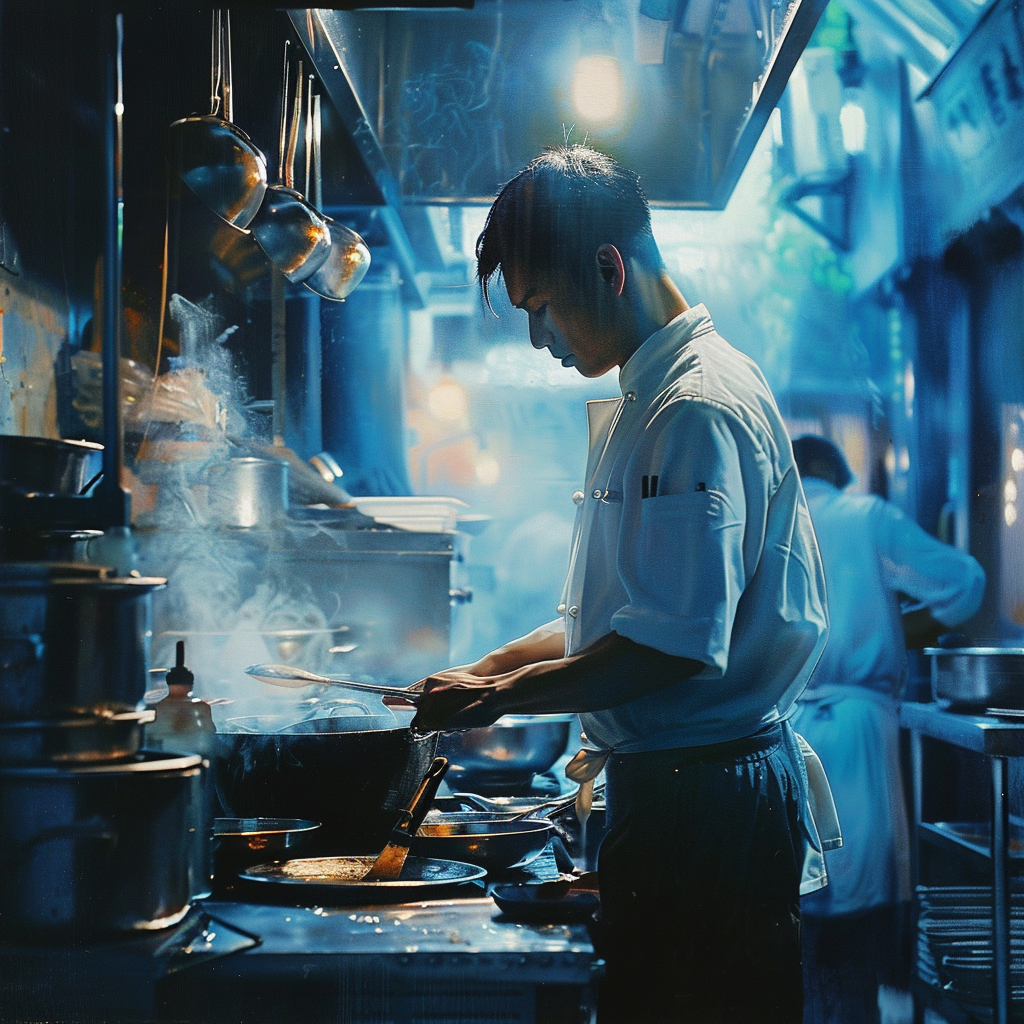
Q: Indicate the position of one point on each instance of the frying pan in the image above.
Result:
(492, 843)
(338, 881)
(242, 842)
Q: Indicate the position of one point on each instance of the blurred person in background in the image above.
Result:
(691, 617)
(890, 586)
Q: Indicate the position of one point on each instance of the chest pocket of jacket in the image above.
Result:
(675, 531)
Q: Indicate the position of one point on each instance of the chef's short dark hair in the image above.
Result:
(817, 456)
(556, 212)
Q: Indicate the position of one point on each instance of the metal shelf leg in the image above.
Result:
(1000, 892)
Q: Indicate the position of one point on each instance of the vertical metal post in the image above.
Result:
(278, 343)
(917, 800)
(113, 498)
(1000, 892)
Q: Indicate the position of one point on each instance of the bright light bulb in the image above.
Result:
(1010, 491)
(488, 471)
(1010, 514)
(447, 401)
(597, 88)
(854, 126)
(1017, 460)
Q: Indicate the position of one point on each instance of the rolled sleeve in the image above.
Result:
(680, 555)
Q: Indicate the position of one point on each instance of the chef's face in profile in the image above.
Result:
(560, 321)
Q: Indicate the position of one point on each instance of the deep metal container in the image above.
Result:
(506, 754)
(43, 465)
(76, 739)
(248, 493)
(101, 849)
(73, 639)
(974, 678)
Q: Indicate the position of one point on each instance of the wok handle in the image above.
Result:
(412, 817)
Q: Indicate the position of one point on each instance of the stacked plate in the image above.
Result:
(954, 945)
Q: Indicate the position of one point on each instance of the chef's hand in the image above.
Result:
(455, 699)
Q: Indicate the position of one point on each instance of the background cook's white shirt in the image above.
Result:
(872, 552)
(721, 566)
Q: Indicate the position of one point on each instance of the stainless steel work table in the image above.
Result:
(997, 739)
(443, 960)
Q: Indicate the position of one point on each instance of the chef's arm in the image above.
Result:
(609, 672)
(545, 643)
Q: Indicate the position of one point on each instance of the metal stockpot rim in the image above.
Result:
(174, 764)
(975, 651)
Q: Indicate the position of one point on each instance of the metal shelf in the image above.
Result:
(974, 837)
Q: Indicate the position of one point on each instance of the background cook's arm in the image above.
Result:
(947, 584)
(609, 672)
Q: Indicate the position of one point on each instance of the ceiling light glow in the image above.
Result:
(854, 126)
(597, 88)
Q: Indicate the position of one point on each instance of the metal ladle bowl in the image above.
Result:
(345, 266)
(292, 233)
(220, 164)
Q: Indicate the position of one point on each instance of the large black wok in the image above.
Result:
(351, 778)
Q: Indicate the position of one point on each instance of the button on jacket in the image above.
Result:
(693, 538)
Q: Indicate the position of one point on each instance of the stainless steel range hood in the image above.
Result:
(444, 106)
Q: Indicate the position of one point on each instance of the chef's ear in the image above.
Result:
(613, 270)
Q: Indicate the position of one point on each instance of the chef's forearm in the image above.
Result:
(609, 672)
(545, 643)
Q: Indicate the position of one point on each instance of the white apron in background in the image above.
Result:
(855, 732)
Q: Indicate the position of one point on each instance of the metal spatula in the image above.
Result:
(388, 866)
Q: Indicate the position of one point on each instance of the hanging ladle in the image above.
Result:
(288, 675)
(292, 233)
(349, 258)
(213, 156)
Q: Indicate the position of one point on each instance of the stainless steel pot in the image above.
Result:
(506, 754)
(103, 848)
(978, 677)
(46, 466)
(77, 739)
(248, 493)
(73, 639)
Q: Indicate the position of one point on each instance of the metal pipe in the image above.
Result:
(1000, 892)
(115, 500)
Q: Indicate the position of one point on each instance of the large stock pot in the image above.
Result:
(73, 639)
(98, 849)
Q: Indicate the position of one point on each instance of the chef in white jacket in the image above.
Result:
(692, 615)
(889, 583)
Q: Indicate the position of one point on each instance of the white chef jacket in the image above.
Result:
(720, 565)
(871, 552)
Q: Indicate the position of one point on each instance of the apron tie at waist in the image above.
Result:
(819, 820)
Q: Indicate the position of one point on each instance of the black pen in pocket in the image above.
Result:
(654, 486)
(645, 490)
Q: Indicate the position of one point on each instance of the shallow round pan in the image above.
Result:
(337, 880)
(493, 843)
(528, 903)
(245, 841)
